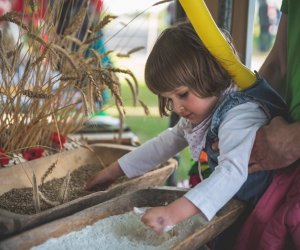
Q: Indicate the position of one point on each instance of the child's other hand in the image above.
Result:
(104, 178)
(157, 219)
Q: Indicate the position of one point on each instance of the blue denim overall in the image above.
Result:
(273, 105)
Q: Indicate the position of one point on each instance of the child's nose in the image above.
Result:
(177, 107)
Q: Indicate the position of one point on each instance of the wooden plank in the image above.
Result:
(209, 231)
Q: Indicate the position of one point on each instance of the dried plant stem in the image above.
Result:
(64, 188)
(48, 172)
(128, 54)
(36, 198)
(11, 17)
(67, 56)
(105, 20)
(33, 101)
(93, 39)
(38, 39)
(52, 166)
(161, 2)
(132, 91)
(144, 106)
(3, 59)
(128, 72)
(34, 94)
(75, 25)
(47, 201)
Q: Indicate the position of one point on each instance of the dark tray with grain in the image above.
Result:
(15, 177)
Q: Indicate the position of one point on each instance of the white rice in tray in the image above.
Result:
(122, 232)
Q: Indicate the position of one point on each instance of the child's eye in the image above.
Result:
(184, 94)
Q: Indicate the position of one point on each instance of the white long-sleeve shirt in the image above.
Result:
(236, 137)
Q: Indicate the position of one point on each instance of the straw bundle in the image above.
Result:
(48, 84)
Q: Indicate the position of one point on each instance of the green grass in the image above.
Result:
(144, 94)
(147, 127)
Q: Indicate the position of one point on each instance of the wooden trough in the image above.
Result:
(142, 198)
(15, 177)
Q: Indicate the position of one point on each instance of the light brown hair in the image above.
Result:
(179, 58)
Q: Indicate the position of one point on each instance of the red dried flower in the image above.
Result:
(33, 153)
(4, 159)
(194, 180)
(58, 139)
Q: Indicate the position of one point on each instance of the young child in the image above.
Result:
(189, 81)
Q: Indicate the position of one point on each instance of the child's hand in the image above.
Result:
(99, 181)
(104, 178)
(157, 219)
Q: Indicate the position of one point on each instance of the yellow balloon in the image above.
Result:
(216, 43)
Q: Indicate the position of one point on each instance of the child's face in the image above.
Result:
(186, 104)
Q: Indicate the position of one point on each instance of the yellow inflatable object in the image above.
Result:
(216, 43)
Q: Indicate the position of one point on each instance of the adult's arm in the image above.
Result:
(277, 145)
(274, 68)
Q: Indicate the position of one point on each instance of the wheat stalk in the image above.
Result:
(130, 52)
(48, 172)
(28, 90)
(106, 19)
(11, 17)
(36, 198)
(63, 194)
(76, 23)
(145, 107)
(47, 201)
(34, 94)
(132, 91)
(128, 72)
